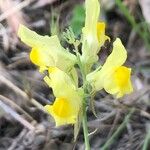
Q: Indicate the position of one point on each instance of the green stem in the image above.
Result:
(85, 128)
(84, 119)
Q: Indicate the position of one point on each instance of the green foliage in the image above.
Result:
(78, 18)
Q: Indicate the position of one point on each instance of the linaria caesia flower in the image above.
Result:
(68, 100)
(46, 51)
(113, 76)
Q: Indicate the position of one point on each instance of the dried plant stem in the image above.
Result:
(13, 9)
(14, 114)
(15, 106)
(20, 92)
(20, 136)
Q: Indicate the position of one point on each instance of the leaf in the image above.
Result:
(77, 21)
(77, 125)
(92, 106)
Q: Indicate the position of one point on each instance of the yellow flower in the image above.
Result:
(62, 111)
(93, 33)
(101, 33)
(113, 77)
(68, 98)
(46, 51)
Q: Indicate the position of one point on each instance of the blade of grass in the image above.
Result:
(146, 141)
(116, 134)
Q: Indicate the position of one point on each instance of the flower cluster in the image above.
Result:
(48, 54)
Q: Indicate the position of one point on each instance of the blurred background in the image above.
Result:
(119, 125)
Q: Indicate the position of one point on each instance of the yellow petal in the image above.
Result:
(52, 70)
(93, 35)
(92, 14)
(101, 33)
(122, 76)
(62, 111)
(63, 86)
(61, 83)
(72, 74)
(90, 45)
(109, 85)
(122, 79)
(62, 108)
(44, 59)
(118, 82)
(90, 29)
(117, 57)
(46, 50)
(114, 60)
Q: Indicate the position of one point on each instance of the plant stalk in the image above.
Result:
(85, 128)
(85, 88)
